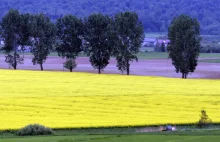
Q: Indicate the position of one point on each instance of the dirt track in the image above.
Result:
(160, 67)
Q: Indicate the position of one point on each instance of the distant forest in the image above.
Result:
(156, 15)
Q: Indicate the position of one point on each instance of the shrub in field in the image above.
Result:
(204, 120)
(70, 64)
(35, 129)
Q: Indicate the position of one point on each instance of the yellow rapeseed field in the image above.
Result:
(73, 100)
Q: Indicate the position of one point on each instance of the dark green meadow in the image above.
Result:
(117, 138)
(186, 134)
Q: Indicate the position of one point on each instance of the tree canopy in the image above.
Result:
(156, 15)
(43, 32)
(14, 30)
(184, 47)
(98, 37)
(130, 35)
(69, 33)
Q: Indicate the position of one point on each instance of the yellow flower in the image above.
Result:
(72, 100)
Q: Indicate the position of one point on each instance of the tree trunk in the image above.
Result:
(15, 66)
(15, 53)
(128, 68)
(71, 69)
(41, 67)
(185, 75)
(15, 61)
(99, 69)
(99, 60)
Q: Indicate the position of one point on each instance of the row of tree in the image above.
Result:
(99, 36)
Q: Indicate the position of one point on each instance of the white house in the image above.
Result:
(2, 42)
(26, 48)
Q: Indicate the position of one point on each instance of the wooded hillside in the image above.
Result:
(155, 14)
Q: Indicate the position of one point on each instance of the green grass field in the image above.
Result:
(152, 55)
(155, 35)
(160, 55)
(148, 55)
(117, 138)
(211, 61)
(185, 134)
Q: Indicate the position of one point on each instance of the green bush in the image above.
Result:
(70, 64)
(204, 121)
(35, 129)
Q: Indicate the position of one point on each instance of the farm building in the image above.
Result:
(1, 42)
(25, 48)
(163, 41)
(150, 44)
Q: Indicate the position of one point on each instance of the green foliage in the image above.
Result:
(43, 32)
(98, 37)
(130, 35)
(70, 64)
(34, 130)
(70, 35)
(10, 30)
(14, 30)
(204, 120)
(184, 47)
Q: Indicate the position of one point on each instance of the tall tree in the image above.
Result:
(130, 35)
(98, 30)
(15, 33)
(184, 47)
(43, 33)
(70, 35)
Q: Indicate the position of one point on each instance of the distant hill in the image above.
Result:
(155, 14)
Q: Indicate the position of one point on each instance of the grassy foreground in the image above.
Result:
(74, 100)
(117, 138)
(121, 135)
